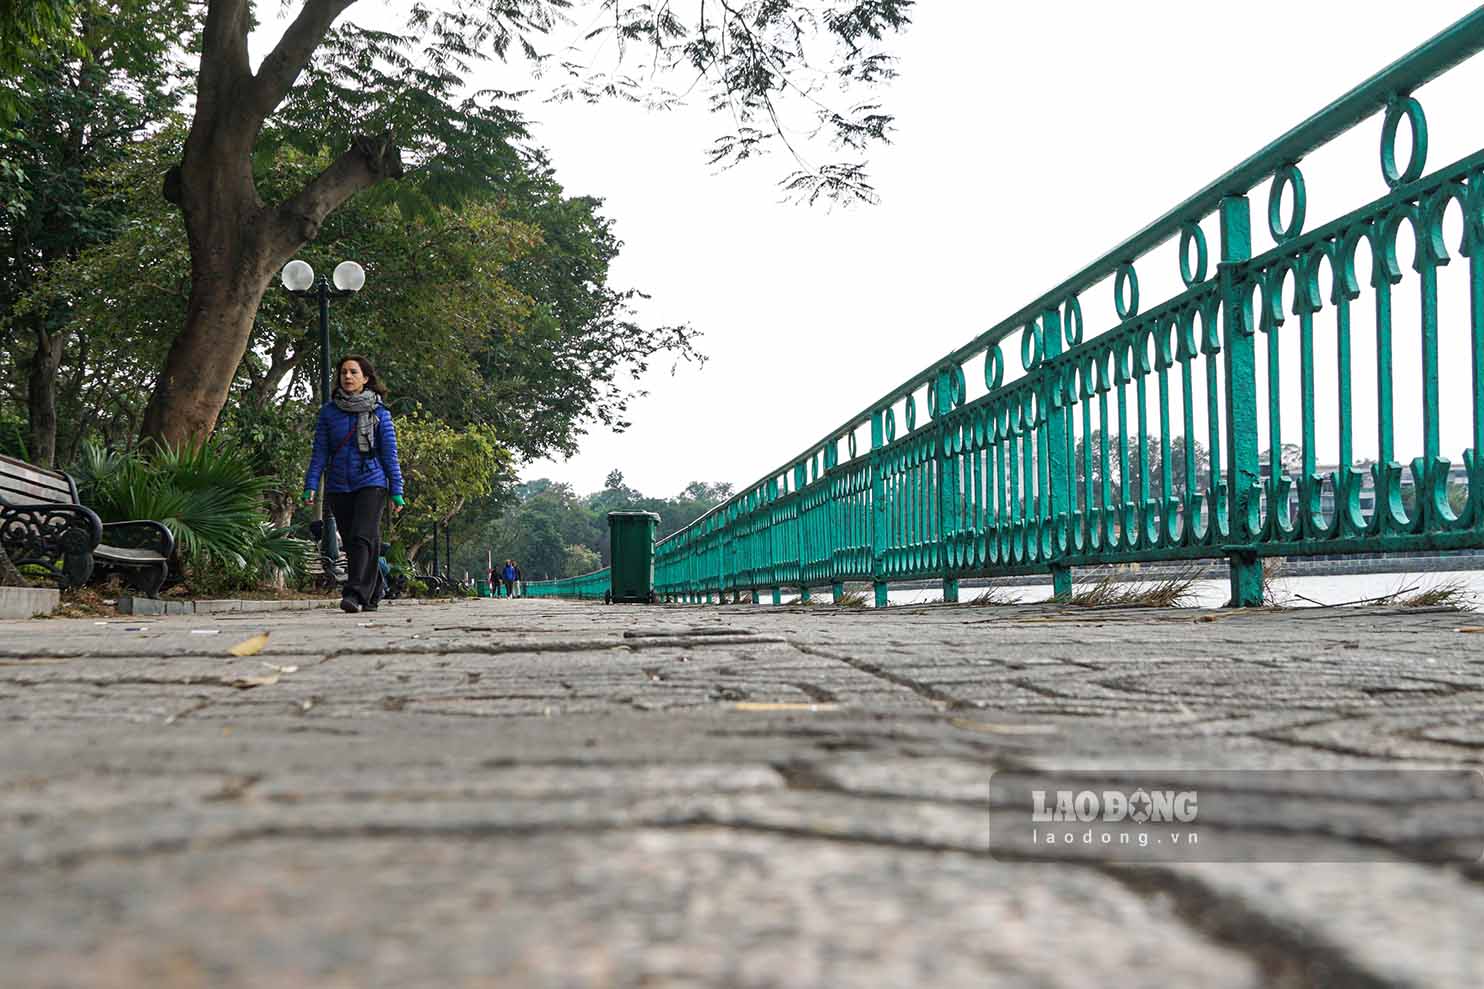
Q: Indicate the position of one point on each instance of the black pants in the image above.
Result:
(358, 520)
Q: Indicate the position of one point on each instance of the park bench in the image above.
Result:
(43, 524)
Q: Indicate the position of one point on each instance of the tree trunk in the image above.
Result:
(238, 245)
(42, 396)
(203, 359)
(280, 508)
(9, 577)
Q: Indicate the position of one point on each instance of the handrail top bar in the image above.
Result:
(1454, 44)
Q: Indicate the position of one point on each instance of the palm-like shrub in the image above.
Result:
(206, 494)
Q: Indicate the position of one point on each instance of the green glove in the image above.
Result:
(398, 500)
(308, 494)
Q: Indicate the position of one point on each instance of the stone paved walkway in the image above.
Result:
(538, 793)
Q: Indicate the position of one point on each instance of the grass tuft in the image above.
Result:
(851, 599)
(992, 596)
(1274, 594)
(1174, 591)
(1453, 593)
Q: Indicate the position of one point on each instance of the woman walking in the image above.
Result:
(355, 445)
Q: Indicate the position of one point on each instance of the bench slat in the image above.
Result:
(118, 554)
(10, 467)
(18, 491)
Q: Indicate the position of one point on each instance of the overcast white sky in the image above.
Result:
(1031, 138)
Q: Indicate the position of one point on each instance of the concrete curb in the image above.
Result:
(28, 602)
(128, 605)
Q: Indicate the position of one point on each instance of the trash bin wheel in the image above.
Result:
(607, 597)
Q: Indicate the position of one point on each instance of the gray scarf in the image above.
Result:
(363, 404)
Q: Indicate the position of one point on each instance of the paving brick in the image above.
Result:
(548, 793)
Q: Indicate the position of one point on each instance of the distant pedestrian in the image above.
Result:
(520, 578)
(355, 446)
(507, 575)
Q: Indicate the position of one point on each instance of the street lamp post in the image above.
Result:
(298, 279)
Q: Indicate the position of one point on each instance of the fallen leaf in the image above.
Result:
(250, 647)
(1471, 628)
(247, 683)
(994, 728)
(782, 706)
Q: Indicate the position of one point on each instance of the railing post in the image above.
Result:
(837, 591)
(799, 534)
(878, 512)
(1241, 405)
(947, 484)
(1054, 402)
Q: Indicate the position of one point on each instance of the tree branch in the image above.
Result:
(368, 160)
(224, 61)
(282, 66)
(265, 388)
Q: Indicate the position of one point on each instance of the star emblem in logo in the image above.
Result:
(1141, 806)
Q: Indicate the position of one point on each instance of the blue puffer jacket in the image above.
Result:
(347, 468)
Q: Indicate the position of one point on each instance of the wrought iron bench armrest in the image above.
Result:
(42, 532)
(140, 534)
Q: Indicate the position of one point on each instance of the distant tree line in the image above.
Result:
(554, 532)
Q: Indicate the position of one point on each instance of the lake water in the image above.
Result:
(1297, 592)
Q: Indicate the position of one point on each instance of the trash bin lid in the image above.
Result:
(632, 515)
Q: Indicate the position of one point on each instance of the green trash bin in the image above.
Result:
(482, 587)
(631, 538)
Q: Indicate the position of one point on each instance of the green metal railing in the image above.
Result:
(1082, 460)
(588, 587)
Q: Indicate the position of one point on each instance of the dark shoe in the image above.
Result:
(369, 607)
(348, 606)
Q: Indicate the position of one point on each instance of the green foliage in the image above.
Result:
(553, 532)
(207, 495)
(1458, 497)
(781, 73)
(580, 560)
(271, 435)
(28, 28)
(763, 66)
(442, 469)
(12, 434)
(85, 105)
(471, 314)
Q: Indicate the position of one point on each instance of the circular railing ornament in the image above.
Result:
(1071, 321)
(1193, 273)
(1126, 283)
(1288, 175)
(1395, 111)
(994, 368)
(1030, 346)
